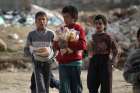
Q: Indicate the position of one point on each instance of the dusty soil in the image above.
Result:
(19, 82)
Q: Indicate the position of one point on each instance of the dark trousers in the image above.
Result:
(53, 83)
(136, 88)
(42, 77)
(70, 81)
(99, 74)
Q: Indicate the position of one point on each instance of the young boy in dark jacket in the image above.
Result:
(100, 66)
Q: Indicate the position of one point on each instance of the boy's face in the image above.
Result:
(41, 22)
(68, 18)
(99, 25)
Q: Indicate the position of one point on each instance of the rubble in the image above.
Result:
(3, 45)
(13, 36)
(9, 18)
(122, 28)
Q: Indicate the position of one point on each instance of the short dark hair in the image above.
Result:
(138, 33)
(73, 11)
(40, 13)
(102, 17)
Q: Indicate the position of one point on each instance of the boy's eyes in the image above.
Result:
(42, 19)
(99, 23)
(66, 15)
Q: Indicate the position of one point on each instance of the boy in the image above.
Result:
(39, 46)
(132, 67)
(70, 61)
(100, 66)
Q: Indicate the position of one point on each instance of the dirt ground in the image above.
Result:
(19, 82)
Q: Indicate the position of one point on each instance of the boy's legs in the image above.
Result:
(93, 79)
(106, 75)
(64, 79)
(41, 83)
(53, 83)
(75, 79)
(33, 84)
(70, 81)
(46, 76)
(136, 89)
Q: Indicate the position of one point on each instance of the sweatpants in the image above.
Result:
(99, 74)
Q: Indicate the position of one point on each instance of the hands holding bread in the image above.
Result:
(41, 51)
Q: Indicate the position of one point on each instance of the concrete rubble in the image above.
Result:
(123, 24)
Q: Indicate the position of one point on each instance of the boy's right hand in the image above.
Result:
(27, 52)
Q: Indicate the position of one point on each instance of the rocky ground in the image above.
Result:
(19, 82)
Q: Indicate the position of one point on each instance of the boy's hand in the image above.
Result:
(66, 51)
(114, 62)
(44, 52)
(27, 52)
(40, 50)
(63, 51)
(69, 51)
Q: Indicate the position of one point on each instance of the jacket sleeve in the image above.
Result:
(114, 52)
(56, 45)
(129, 76)
(28, 43)
(114, 47)
(130, 73)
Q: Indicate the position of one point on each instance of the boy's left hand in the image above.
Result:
(114, 62)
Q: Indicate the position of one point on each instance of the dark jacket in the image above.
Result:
(132, 68)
